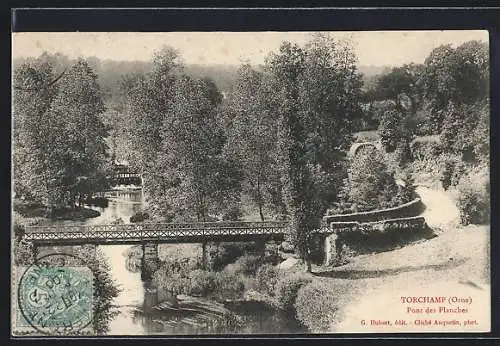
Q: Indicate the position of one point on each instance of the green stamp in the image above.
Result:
(55, 295)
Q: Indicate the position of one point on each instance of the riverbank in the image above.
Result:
(36, 211)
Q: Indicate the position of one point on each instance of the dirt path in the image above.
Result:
(441, 211)
(455, 263)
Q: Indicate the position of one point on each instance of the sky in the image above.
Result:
(377, 48)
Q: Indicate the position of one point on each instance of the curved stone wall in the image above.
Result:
(413, 208)
(372, 237)
(357, 146)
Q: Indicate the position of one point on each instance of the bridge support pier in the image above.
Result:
(204, 255)
(40, 250)
(333, 248)
(150, 261)
(261, 247)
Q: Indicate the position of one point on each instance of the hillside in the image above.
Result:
(110, 72)
(455, 262)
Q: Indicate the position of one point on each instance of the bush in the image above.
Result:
(267, 278)
(220, 255)
(139, 217)
(394, 131)
(316, 306)
(229, 285)
(23, 252)
(287, 247)
(474, 197)
(370, 186)
(452, 169)
(172, 277)
(199, 282)
(447, 173)
(286, 291)
(202, 282)
(246, 265)
(458, 172)
(232, 214)
(426, 148)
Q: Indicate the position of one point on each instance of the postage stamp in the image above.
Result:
(55, 296)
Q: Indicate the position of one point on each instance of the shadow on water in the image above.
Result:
(185, 315)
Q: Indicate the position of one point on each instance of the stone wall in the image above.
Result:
(409, 209)
(371, 237)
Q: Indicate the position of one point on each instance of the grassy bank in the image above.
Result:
(38, 211)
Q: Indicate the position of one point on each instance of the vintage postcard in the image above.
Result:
(229, 183)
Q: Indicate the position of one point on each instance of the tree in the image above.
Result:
(148, 103)
(459, 75)
(58, 132)
(197, 180)
(320, 91)
(369, 185)
(330, 103)
(287, 67)
(79, 149)
(396, 130)
(251, 130)
(33, 92)
(403, 86)
(466, 130)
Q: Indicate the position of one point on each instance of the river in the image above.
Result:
(135, 312)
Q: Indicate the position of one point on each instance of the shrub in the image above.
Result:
(23, 252)
(139, 217)
(466, 130)
(229, 285)
(403, 152)
(226, 253)
(202, 282)
(389, 130)
(316, 306)
(286, 291)
(447, 174)
(458, 172)
(199, 282)
(452, 169)
(474, 197)
(18, 231)
(426, 148)
(172, 277)
(232, 214)
(287, 247)
(396, 131)
(267, 278)
(246, 265)
(370, 185)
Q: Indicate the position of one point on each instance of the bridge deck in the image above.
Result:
(163, 233)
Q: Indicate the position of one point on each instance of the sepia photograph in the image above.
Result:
(230, 183)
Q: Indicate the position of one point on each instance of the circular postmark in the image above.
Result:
(55, 295)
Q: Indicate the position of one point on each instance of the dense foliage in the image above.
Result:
(60, 156)
(317, 306)
(267, 278)
(371, 185)
(274, 142)
(474, 196)
(319, 87)
(286, 291)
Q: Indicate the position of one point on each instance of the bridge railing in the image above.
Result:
(153, 230)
